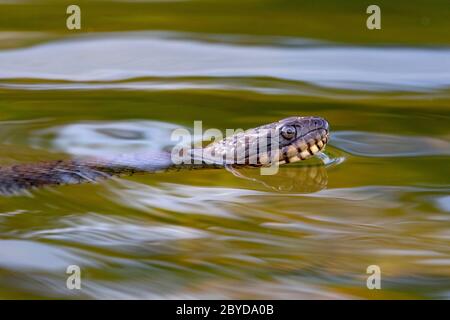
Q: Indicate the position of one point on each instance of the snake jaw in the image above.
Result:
(305, 147)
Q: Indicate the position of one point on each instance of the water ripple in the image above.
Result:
(115, 233)
(371, 144)
(126, 56)
(97, 138)
(32, 255)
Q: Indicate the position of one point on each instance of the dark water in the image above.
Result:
(311, 231)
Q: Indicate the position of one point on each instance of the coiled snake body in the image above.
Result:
(296, 138)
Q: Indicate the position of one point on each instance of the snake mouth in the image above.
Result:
(306, 146)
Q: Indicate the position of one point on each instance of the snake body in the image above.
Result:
(297, 138)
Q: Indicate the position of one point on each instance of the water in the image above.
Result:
(311, 231)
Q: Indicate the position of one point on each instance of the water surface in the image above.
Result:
(311, 231)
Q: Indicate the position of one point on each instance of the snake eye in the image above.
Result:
(288, 132)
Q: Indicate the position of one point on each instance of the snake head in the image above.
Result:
(285, 141)
(300, 138)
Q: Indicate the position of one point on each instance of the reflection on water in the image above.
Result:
(301, 179)
(385, 145)
(24, 255)
(308, 232)
(138, 55)
(118, 234)
(99, 138)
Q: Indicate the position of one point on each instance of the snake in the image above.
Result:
(285, 141)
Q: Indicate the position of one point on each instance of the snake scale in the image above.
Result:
(297, 138)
